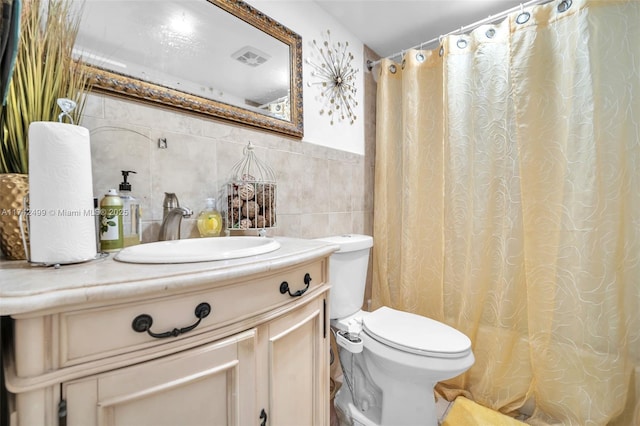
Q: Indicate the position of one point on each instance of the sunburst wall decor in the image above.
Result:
(336, 76)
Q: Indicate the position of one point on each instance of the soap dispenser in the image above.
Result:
(209, 220)
(111, 222)
(131, 213)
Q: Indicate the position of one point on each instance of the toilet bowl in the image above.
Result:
(391, 359)
(403, 357)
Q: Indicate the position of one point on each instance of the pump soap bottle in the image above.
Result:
(131, 213)
(209, 220)
(111, 221)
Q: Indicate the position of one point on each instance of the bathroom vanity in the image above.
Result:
(233, 342)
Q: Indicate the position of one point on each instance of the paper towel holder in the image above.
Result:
(23, 222)
(66, 105)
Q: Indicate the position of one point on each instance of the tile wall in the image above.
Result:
(321, 191)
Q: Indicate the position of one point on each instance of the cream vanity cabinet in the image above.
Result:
(206, 350)
(213, 384)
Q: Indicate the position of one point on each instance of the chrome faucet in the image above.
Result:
(172, 215)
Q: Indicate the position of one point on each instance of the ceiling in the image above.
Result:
(390, 26)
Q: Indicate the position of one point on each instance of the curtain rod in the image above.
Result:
(462, 30)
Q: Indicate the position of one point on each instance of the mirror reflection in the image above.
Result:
(218, 57)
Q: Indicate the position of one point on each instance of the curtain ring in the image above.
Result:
(523, 17)
(420, 57)
(440, 40)
(392, 69)
(564, 5)
(490, 33)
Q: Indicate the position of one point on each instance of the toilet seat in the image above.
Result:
(415, 334)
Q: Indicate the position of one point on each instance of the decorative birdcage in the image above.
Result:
(251, 194)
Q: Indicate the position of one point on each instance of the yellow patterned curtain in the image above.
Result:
(507, 204)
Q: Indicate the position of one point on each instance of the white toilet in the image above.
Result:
(391, 359)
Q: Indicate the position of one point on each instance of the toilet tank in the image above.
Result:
(348, 273)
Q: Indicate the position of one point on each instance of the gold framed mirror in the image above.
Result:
(218, 58)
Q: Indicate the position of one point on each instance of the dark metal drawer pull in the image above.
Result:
(284, 287)
(143, 323)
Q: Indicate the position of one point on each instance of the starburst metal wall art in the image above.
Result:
(336, 77)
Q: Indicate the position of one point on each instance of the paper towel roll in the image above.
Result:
(61, 221)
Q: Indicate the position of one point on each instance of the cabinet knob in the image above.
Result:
(143, 323)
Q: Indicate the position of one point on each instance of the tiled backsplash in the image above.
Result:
(321, 191)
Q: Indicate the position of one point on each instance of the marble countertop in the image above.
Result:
(28, 288)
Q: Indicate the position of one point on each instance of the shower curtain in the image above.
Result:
(507, 205)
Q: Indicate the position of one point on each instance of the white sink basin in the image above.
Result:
(197, 250)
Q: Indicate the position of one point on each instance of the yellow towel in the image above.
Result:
(465, 412)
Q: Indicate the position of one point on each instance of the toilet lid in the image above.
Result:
(415, 334)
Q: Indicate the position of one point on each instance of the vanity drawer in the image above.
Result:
(91, 334)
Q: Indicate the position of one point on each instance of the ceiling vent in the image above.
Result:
(251, 56)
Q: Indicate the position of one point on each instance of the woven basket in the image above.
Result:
(13, 188)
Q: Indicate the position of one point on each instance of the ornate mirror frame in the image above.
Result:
(110, 82)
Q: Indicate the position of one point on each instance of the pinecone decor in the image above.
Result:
(246, 191)
(251, 194)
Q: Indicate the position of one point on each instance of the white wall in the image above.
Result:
(307, 19)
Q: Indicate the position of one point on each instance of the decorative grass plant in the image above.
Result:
(44, 71)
